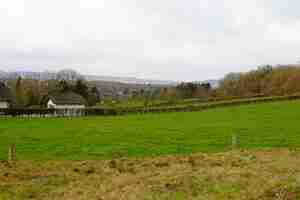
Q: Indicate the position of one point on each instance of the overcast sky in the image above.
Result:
(157, 39)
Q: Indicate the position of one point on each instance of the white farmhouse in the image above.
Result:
(5, 96)
(66, 103)
(66, 100)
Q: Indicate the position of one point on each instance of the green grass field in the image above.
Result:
(265, 125)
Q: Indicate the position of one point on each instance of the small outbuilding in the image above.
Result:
(6, 97)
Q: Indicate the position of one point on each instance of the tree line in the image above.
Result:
(264, 81)
(186, 90)
(31, 93)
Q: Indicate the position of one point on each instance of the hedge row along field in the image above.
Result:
(189, 106)
(193, 105)
(264, 125)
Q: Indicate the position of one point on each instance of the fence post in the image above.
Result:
(12, 152)
(234, 141)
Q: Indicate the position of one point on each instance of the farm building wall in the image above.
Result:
(51, 104)
(69, 107)
(4, 104)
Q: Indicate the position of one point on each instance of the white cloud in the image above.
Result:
(170, 39)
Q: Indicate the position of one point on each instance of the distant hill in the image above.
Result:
(28, 75)
(128, 80)
(3, 75)
(71, 75)
(213, 83)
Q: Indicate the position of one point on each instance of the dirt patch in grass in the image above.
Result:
(263, 175)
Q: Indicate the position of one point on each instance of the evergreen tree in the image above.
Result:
(63, 86)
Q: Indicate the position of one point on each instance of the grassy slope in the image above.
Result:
(257, 126)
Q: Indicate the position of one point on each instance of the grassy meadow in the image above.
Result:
(265, 125)
(237, 175)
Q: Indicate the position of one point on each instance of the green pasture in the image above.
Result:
(265, 125)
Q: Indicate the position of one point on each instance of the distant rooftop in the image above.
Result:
(67, 98)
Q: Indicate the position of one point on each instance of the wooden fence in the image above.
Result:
(12, 112)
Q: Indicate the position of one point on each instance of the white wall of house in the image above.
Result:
(51, 104)
(70, 106)
(4, 104)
